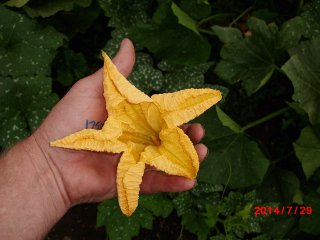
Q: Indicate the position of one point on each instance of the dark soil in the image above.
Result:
(78, 224)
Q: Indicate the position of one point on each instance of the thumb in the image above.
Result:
(125, 58)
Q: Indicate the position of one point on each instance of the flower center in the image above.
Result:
(155, 140)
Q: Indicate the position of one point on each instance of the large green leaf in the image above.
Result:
(16, 3)
(179, 77)
(26, 48)
(195, 8)
(121, 227)
(234, 159)
(184, 19)
(227, 121)
(125, 13)
(71, 66)
(311, 17)
(173, 43)
(191, 206)
(279, 186)
(278, 226)
(26, 51)
(78, 20)
(307, 149)
(144, 76)
(253, 59)
(310, 223)
(303, 69)
(170, 41)
(39, 8)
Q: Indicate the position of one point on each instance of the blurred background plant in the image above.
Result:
(264, 137)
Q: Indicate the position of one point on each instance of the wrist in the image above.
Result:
(31, 192)
(46, 173)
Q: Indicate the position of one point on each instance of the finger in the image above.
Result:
(156, 182)
(195, 131)
(202, 151)
(125, 58)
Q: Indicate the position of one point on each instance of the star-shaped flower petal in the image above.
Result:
(145, 130)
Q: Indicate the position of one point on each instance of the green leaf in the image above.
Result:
(279, 186)
(184, 19)
(265, 14)
(119, 226)
(159, 204)
(183, 203)
(278, 226)
(307, 149)
(248, 59)
(26, 51)
(71, 66)
(227, 35)
(78, 20)
(163, 37)
(236, 212)
(197, 225)
(310, 223)
(126, 13)
(311, 17)
(303, 70)
(39, 8)
(40, 109)
(196, 9)
(290, 33)
(27, 99)
(234, 159)
(227, 121)
(144, 76)
(252, 60)
(191, 206)
(12, 129)
(26, 48)
(16, 3)
(179, 77)
(167, 44)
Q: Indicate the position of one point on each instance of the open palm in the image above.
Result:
(90, 176)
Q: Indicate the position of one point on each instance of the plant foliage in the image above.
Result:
(263, 138)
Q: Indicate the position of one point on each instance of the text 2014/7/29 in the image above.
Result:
(282, 210)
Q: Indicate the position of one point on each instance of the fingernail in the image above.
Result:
(204, 130)
(195, 183)
(188, 184)
(123, 42)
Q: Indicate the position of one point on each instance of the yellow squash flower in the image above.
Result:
(145, 130)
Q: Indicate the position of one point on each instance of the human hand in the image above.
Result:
(85, 176)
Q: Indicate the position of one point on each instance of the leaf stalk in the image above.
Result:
(206, 32)
(241, 15)
(215, 16)
(265, 119)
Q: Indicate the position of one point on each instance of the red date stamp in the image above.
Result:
(282, 210)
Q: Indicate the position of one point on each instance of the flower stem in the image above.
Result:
(265, 118)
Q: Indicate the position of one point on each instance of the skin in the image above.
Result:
(40, 183)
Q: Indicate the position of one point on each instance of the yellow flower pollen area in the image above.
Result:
(146, 129)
